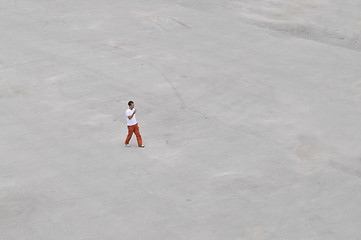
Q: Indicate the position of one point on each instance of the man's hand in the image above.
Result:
(135, 110)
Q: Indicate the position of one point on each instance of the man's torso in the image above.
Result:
(132, 121)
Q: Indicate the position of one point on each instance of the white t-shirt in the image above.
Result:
(132, 121)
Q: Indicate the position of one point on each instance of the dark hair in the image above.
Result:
(130, 103)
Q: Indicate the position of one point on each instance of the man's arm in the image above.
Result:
(130, 117)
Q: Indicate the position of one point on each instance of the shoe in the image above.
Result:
(142, 146)
(127, 145)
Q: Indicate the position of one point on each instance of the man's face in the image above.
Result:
(131, 106)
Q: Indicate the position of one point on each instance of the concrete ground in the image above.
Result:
(250, 112)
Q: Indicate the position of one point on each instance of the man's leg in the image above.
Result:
(130, 133)
(137, 134)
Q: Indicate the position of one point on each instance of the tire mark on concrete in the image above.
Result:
(174, 88)
(345, 169)
(184, 25)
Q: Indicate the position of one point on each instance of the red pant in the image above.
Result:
(135, 129)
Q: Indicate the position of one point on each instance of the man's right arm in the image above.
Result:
(130, 117)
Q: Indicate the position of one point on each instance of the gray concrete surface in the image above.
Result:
(250, 112)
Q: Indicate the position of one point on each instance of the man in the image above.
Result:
(132, 125)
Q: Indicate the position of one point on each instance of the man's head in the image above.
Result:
(131, 104)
